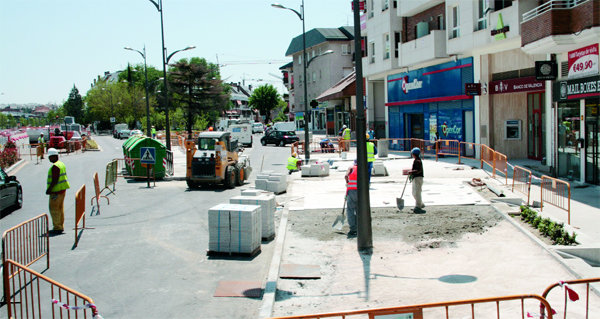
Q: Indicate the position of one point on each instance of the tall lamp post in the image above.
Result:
(304, 66)
(143, 54)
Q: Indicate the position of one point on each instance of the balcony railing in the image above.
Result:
(552, 5)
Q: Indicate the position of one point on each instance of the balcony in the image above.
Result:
(560, 26)
(429, 47)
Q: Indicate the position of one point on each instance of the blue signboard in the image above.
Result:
(147, 155)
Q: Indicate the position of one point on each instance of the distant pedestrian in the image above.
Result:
(345, 138)
(371, 134)
(416, 176)
(371, 152)
(352, 198)
(41, 146)
(153, 130)
(57, 185)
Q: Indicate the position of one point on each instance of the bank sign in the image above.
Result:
(583, 61)
(577, 89)
(442, 82)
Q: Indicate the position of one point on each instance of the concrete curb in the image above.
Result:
(14, 166)
(268, 303)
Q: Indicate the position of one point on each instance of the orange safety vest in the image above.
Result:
(352, 179)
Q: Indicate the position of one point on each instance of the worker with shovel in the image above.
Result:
(416, 176)
(352, 198)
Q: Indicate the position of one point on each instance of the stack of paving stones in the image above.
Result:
(267, 204)
(272, 182)
(379, 169)
(234, 228)
(315, 169)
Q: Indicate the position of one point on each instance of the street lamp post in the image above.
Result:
(143, 54)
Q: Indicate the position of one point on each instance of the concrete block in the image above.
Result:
(261, 184)
(379, 169)
(305, 169)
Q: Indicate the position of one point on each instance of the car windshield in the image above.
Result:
(207, 144)
(289, 133)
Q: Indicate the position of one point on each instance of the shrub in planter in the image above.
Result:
(9, 155)
(548, 228)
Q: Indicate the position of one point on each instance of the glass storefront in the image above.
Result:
(535, 126)
(569, 152)
(592, 139)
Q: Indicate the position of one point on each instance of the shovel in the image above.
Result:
(400, 201)
(339, 221)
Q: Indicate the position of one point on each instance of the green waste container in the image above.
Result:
(134, 151)
(126, 145)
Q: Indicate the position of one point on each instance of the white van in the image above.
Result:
(242, 133)
(284, 126)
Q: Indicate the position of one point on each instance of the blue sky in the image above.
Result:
(47, 46)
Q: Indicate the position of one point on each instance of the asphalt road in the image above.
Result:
(144, 255)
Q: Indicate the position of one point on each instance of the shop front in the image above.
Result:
(578, 128)
(431, 102)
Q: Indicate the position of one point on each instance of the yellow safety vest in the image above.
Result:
(370, 152)
(347, 134)
(153, 131)
(292, 163)
(40, 140)
(63, 183)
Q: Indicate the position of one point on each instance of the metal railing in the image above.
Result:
(79, 212)
(568, 295)
(551, 5)
(522, 181)
(98, 194)
(168, 163)
(447, 147)
(501, 165)
(556, 192)
(28, 296)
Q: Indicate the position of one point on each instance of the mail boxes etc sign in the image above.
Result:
(583, 61)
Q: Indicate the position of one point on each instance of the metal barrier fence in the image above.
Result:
(427, 147)
(501, 165)
(487, 157)
(110, 177)
(98, 194)
(27, 242)
(522, 181)
(27, 295)
(570, 294)
(556, 192)
(470, 150)
(460, 309)
(447, 147)
(79, 211)
(168, 163)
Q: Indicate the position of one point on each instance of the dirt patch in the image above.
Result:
(438, 224)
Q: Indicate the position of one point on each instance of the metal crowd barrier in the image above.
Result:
(27, 296)
(79, 212)
(98, 194)
(556, 192)
(458, 309)
(487, 157)
(110, 177)
(447, 148)
(471, 151)
(168, 162)
(501, 165)
(522, 181)
(568, 294)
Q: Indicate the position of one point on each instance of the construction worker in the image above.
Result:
(352, 198)
(153, 130)
(416, 176)
(371, 152)
(41, 146)
(57, 185)
(292, 164)
(346, 138)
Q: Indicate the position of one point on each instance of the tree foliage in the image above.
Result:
(196, 86)
(264, 99)
(74, 106)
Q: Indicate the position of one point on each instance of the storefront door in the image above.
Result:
(414, 125)
(534, 125)
(592, 150)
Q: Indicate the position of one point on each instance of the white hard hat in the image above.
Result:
(52, 151)
(344, 126)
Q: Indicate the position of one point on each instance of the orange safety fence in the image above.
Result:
(98, 194)
(427, 147)
(522, 181)
(570, 294)
(447, 147)
(79, 212)
(501, 165)
(487, 157)
(30, 294)
(398, 144)
(27, 242)
(451, 309)
(556, 192)
(470, 150)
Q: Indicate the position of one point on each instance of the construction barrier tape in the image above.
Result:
(87, 306)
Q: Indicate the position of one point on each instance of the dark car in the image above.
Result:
(280, 138)
(11, 193)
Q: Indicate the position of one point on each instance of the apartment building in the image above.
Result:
(329, 59)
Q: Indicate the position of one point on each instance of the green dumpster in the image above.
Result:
(135, 151)
(126, 145)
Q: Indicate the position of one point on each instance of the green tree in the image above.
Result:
(74, 105)
(197, 87)
(281, 115)
(264, 99)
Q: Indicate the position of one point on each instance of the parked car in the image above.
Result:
(135, 132)
(258, 128)
(123, 134)
(11, 193)
(280, 138)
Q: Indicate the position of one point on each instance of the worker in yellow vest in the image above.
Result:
(371, 152)
(57, 185)
(292, 164)
(153, 131)
(346, 138)
(41, 143)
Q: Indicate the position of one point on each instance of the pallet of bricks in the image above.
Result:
(234, 229)
(267, 204)
(271, 182)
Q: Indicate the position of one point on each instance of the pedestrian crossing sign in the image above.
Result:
(148, 155)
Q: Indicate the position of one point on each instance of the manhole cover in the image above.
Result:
(457, 279)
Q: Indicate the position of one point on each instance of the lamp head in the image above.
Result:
(277, 5)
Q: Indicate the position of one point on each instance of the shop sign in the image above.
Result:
(473, 89)
(500, 32)
(516, 85)
(546, 70)
(577, 89)
(583, 62)
(407, 85)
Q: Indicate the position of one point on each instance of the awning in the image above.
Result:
(346, 87)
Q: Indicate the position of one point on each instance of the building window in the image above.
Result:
(300, 58)
(371, 7)
(397, 41)
(501, 4)
(372, 53)
(314, 53)
(482, 17)
(385, 4)
(440, 22)
(386, 41)
(314, 76)
(455, 23)
(345, 49)
(300, 82)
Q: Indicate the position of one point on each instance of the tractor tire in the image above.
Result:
(239, 176)
(229, 181)
(263, 142)
(281, 143)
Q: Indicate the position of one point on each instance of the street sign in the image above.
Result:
(148, 155)
(112, 119)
